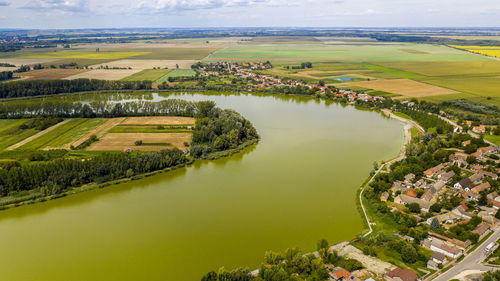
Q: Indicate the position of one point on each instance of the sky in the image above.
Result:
(47, 14)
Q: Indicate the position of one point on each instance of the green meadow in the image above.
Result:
(148, 74)
(177, 73)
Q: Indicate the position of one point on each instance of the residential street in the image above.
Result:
(472, 262)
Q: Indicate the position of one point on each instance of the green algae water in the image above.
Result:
(296, 186)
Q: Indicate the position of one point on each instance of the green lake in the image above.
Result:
(296, 186)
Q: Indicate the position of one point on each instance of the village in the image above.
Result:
(453, 205)
(250, 72)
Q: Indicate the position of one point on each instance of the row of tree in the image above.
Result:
(56, 108)
(29, 88)
(55, 176)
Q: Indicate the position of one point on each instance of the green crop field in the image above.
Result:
(446, 68)
(356, 52)
(78, 54)
(64, 134)
(177, 73)
(482, 89)
(11, 134)
(148, 74)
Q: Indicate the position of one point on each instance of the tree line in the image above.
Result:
(54, 177)
(106, 109)
(30, 88)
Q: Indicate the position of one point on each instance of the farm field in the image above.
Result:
(105, 74)
(445, 68)
(491, 51)
(148, 74)
(362, 52)
(151, 141)
(146, 64)
(478, 88)
(405, 87)
(77, 54)
(99, 131)
(160, 120)
(54, 136)
(10, 133)
(176, 73)
(18, 62)
(46, 74)
(170, 53)
(71, 136)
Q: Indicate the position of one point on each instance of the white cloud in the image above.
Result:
(68, 6)
(368, 12)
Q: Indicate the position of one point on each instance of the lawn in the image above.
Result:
(177, 73)
(78, 54)
(148, 74)
(362, 52)
(493, 138)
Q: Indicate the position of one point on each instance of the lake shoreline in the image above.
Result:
(91, 186)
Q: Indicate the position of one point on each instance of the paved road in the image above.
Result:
(471, 133)
(472, 261)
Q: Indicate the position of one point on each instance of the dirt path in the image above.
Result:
(100, 131)
(37, 135)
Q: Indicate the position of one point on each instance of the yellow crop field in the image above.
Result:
(491, 51)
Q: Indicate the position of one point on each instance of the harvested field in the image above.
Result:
(105, 74)
(99, 131)
(7, 68)
(147, 64)
(122, 141)
(167, 120)
(48, 74)
(19, 62)
(404, 87)
(79, 54)
(171, 53)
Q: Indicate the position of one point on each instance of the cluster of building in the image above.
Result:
(396, 274)
(439, 182)
(263, 81)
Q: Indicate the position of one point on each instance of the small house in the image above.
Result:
(399, 274)
(479, 129)
(384, 197)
